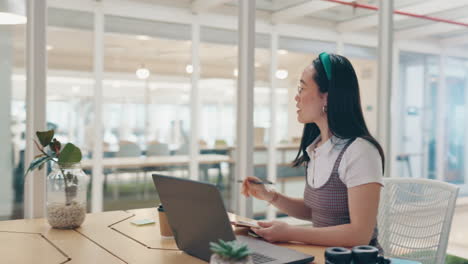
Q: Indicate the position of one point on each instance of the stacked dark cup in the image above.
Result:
(358, 255)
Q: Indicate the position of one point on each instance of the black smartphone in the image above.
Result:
(253, 234)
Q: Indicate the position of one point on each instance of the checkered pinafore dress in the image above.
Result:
(329, 203)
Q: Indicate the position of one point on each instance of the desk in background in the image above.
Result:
(155, 161)
(107, 237)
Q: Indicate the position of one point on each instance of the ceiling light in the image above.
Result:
(282, 52)
(281, 74)
(236, 72)
(49, 47)
(142, 37)
(189, 68)
(257, 65)
(12, 12)
(142, 73)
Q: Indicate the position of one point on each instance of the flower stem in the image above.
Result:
(67, 191)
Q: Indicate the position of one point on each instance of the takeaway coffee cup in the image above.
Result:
(164, 228)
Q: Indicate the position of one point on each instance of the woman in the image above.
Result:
(344, 163)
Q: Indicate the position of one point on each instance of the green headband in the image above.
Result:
(325, 59)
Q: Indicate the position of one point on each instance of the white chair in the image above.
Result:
(157, 149)
(154, 148)
(415, 216)
(127, 149)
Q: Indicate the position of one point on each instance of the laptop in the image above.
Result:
(196, 214)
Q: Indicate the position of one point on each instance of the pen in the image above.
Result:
(256, 182)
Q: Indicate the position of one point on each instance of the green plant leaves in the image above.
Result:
(230, 250)
(70, 154)
(45, 137)
(38, 163)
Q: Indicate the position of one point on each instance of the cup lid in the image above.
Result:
(160, 208)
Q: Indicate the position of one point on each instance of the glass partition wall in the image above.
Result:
(218, 92)
(12, 119)
(218, 106)
(455, 169)
(146, 106)
(147, 94)
(416, 146)
(70, 80)
(432, 118)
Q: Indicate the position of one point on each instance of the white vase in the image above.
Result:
(216, 259)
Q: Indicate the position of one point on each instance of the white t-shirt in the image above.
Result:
(361, 162)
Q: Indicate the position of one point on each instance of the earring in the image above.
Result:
(324, 109)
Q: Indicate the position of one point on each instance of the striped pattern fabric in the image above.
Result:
(329, 203)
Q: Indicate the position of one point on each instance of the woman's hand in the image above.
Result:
(258, 191)
(275, 231)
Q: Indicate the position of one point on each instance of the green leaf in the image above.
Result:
(233, 250)
(224, 244)
(70, 154)
(217, 250)
(213, 244)
(45, 137)
(38, 162)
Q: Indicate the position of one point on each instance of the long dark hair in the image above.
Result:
(344, 112)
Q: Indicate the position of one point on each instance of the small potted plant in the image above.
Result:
(66, 184)
(231, 252)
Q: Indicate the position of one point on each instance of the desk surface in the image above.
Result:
(138, 162)
(107, 237)
(282, 147)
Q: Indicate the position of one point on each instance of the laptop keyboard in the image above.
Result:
(259, 258)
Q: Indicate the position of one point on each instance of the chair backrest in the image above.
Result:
(182, 150)
(415, 216)
(128, 149)
(157, 149)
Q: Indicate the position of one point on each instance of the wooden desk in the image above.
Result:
(289, 146)
(107, 237)
(154, 161)
(34, 241)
